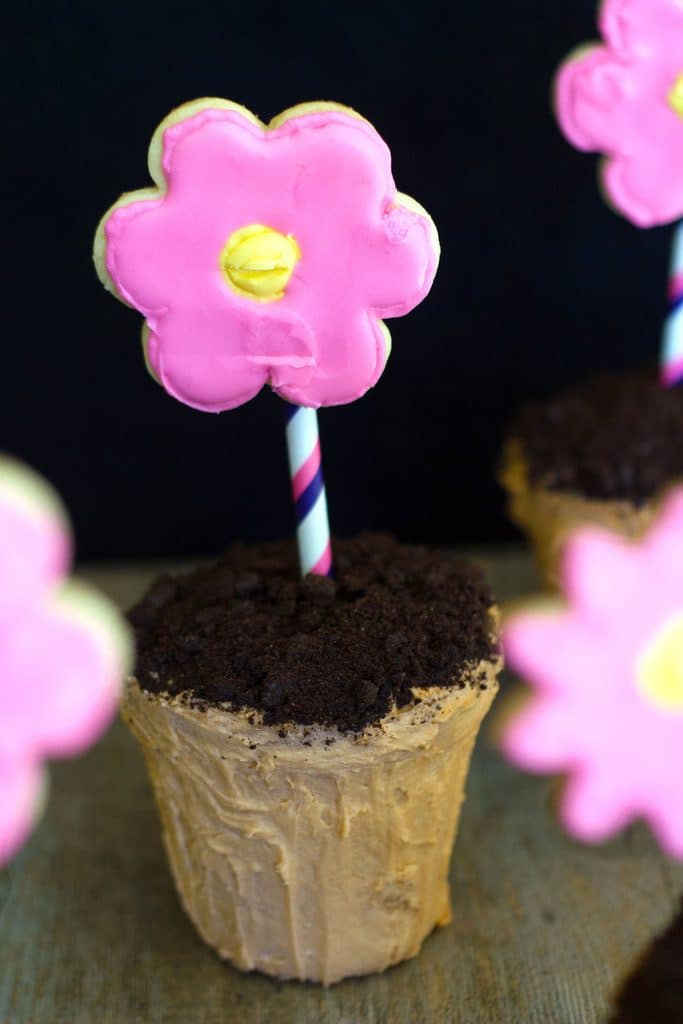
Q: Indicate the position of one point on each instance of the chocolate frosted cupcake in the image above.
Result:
(604, 453)
(308, 743)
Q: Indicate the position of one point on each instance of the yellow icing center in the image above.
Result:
(258, 262)
(660, 667)
(676, 96)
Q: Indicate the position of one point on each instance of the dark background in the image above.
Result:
(539, 283)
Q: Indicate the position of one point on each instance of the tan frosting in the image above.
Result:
(547, 516)
(305, 858)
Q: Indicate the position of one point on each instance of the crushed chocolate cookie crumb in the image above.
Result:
(614, 437)
(248, 632)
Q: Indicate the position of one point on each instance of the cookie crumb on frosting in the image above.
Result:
(615, 437)
(247, 631)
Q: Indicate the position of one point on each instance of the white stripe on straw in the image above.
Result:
(308, 491)
(672, 342)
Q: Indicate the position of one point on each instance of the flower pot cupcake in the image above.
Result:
(307, 738)
(308, 743)
(604, 453)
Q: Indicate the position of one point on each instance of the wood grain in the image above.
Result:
(91, 931)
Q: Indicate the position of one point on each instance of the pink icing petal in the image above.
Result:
(621, 25)
(35, 552)
(209, 359)
(60, 685)
(592, 806)
(135, 235)
(20, 790)
(600, 572)
(356, 353)
(283, 344)
(543, 737)
(208, 155)
(639, 28)
(617, 734)
(649, 189)
(548, 649)
(591, 95)
(339, 169)
(397, 262)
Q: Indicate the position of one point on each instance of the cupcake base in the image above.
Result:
(303, 852)
(547, 516)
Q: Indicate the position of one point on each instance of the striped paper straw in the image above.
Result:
(308, 491)
(672, 347)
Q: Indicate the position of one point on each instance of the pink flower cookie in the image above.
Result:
(267, 254)
(63, 650)
(607, 675)
(625, 99)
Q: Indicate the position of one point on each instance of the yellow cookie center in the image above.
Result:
(258, 262)
(660, 667)
(676, 96)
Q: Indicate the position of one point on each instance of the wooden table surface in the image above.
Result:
(544, 929)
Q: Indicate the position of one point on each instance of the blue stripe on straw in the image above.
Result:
(290, 410)
(676, 303)
(308, 498)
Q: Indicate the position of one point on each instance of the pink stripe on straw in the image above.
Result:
(672, 372)
(676, 285)
(324, 564)
(305, 473)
